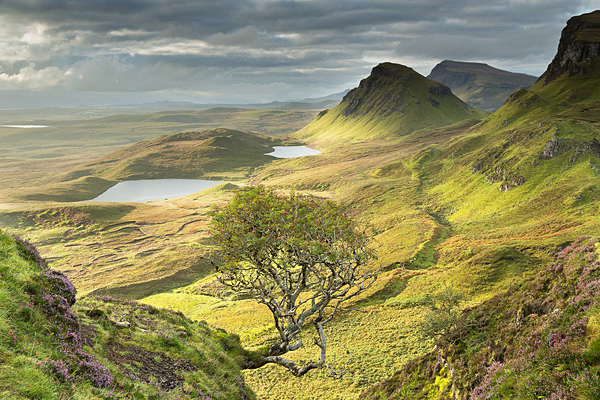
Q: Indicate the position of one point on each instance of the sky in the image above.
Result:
(111, 52)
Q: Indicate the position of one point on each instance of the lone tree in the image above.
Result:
(444, 314)
(300, 255)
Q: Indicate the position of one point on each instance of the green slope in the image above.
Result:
(480, 85)
(102, 348)
(393, 101)
(516, 190)
(481, 206)
(540, 339)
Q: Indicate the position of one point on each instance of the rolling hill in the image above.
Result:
(480, 85)
(215, 154)
(210, 154)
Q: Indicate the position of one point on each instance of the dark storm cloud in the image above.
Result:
(263, 49)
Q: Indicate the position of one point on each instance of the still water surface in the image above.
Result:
(154, 189)
(292, 151)
(159, 189)
(25, 126)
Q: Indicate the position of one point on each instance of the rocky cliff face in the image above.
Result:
(579, 46)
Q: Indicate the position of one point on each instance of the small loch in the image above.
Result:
(25, 126)
(292, 151)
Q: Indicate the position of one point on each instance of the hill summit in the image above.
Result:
(478, 84)
(393, 100)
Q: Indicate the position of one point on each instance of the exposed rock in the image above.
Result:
(150, 366)
(595, 147)
(552, 148)
(578, 47)
(394, 71)
(322, 113)
(516, 95)
(440, 90)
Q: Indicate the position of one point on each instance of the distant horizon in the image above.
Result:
(142, 103)
(65, 54)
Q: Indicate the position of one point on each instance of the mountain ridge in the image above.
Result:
(479, 84)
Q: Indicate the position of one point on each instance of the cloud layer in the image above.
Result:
(260, 50)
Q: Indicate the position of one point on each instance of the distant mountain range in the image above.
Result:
(312, 103)
(480, 85)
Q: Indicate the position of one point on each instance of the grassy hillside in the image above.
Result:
(518, 191)
(538, 339)
(102, 348)
(132, 249)
(481, 208)
(480, 85)
(393, 101)
(215, 154)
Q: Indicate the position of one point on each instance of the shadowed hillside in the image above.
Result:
(479, 85)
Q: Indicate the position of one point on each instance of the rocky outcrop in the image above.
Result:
(579, 46)
(440, 90)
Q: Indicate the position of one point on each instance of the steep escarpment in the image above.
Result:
(392, 101)
(579, 46)
(54, 346)
(478, 84)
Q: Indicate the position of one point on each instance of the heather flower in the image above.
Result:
(550, 364)
(55, 299)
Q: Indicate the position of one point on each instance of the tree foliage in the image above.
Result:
(300, 255)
